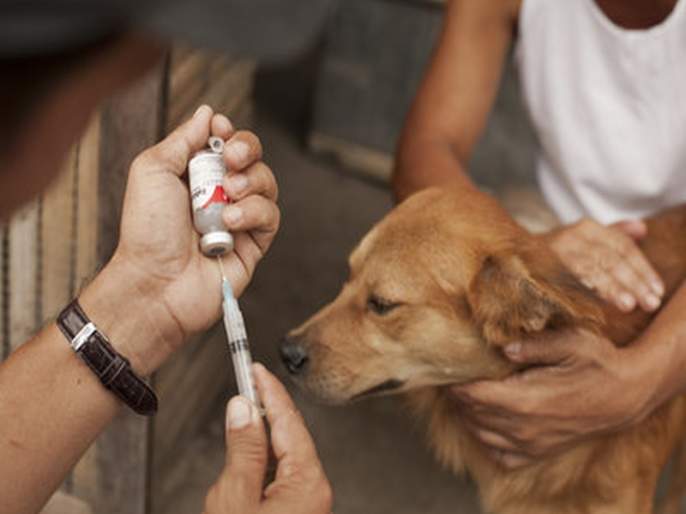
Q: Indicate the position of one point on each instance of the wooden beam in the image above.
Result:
(23, 270)
(87, 185)
(4, 284)
(57, 236)
(114, 476)
(231, 88)
(201, 371)
(188, 81)
(196, 374)
(85, 475)
(62, 503)
(367, 161)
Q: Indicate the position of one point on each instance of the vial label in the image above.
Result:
(205, 174)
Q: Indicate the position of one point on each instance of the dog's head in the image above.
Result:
(434, 290)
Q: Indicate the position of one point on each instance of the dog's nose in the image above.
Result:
(293, 355)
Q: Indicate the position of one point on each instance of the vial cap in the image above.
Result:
(216, 144)
(216, 243)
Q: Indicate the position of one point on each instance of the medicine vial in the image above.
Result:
(206, 171)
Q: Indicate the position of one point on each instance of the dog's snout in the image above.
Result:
(293, 355)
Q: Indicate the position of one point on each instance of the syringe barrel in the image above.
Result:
(240, 351)
(242, 363)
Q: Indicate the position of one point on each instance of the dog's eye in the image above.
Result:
(380, 306)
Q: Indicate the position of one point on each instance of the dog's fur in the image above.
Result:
(469, 279)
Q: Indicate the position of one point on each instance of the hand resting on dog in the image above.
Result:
(579, 385)
(608, 260)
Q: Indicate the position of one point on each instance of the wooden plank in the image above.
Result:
(87, 184)
(23, 270)
(220, 62)
(182, 106)
(200, 372)
(186, 396)
(243, 115)
(181, 52)
(84, 480)
(187, 83)
(130, 123)
(85, 475)
(4, 314)
(114, 476)
(367, 161)
(177, 366)
(225, 85)
(231, 88)
(62, 503)
(57, 235)
(234, 105)
(185, 72)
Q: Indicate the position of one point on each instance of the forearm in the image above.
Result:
(450, 110)
(424, 161)
(53, 404)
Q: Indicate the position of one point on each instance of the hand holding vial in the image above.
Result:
(206, 173)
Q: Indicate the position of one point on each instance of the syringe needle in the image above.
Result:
(221, 267)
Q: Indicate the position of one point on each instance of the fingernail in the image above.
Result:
(199, 110)
(238, 150)
(627, 301)
(513, 350)
(652, 301)
(657, 288)
(233, 214)
(239, 413)
(238, 183)
(227, 126)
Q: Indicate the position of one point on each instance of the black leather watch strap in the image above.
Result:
(113, 370)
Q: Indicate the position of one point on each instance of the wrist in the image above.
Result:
(127, 310)
(657, 373)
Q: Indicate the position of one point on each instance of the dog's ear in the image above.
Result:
(516, 293)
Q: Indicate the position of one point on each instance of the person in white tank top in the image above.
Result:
(605, 85)
(608, 105)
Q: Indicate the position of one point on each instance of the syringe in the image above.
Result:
(238, 342)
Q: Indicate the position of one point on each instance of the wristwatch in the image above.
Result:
(113, 369)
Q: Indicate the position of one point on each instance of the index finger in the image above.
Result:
(483, 392)
(241, 150)
(645, 270)
(625, 245)
(512, 394)
(292, 443)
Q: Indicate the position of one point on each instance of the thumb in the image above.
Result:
(173, 152)
(635, 229)
(246, 454)
(538, 351)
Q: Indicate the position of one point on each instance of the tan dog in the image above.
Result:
(434, 290)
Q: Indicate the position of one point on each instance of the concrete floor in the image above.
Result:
(373, 453)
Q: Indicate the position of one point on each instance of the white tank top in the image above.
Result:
(609, 107)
